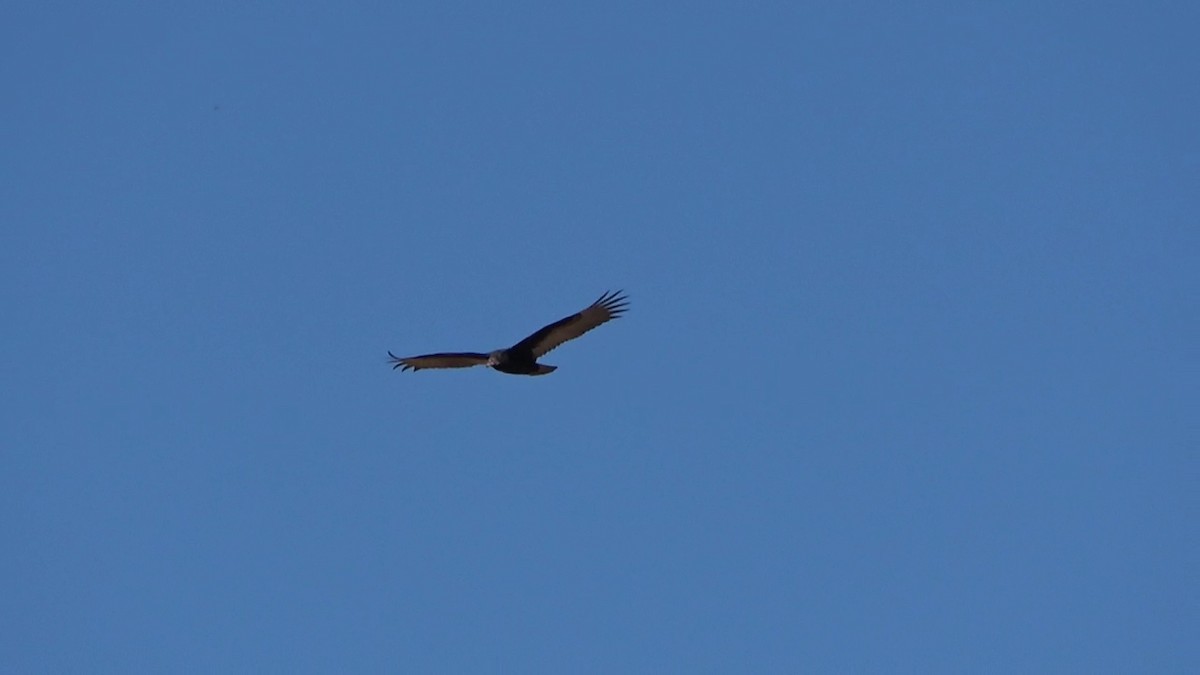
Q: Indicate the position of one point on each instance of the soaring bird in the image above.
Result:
(521, 358)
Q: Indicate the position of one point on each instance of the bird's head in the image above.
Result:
(495, 358)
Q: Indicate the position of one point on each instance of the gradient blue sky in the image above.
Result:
(909, 382)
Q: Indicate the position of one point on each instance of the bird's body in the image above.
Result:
(521, 358)
(517, 363)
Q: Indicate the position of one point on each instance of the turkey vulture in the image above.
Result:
(521, 358)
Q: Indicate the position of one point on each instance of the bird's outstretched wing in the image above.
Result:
(444, 360)
(609, 306)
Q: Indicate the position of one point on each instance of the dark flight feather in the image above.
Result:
(442, 360)
(607, 307)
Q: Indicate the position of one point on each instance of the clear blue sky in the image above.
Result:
(909, 381)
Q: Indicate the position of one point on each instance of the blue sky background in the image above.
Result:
(909, 381)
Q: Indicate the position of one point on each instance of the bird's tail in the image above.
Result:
(544, 369)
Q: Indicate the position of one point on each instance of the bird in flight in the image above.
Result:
(521, 358)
